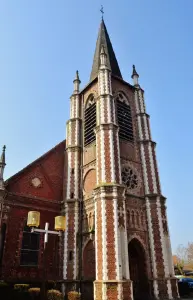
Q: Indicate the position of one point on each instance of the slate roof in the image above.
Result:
(104, 40)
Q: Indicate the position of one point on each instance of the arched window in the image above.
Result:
(128, 218)
(137, 218)
(124, 118)
(90, 222)
(30, 247)
(132, 218)
(89, 120)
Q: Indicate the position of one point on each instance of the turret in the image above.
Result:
(135, 76)
(2, 167)
(76, 83)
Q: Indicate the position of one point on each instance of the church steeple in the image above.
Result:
(103, 40)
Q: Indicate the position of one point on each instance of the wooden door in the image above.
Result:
(138, 273)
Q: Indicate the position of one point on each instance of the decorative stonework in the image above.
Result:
(90, 101)
(121, 97)
(131, 178)
(36, 182)
(90, 181)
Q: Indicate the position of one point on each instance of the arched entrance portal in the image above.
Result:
(138, 270)
(88, 271)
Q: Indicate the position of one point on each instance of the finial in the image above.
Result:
(102, 11)
(135, 76)
(134, 72)
(76, 83)
(77, 75)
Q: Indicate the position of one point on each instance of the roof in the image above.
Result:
(63, 144)
(104, 40)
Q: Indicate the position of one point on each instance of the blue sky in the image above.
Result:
(44, 42)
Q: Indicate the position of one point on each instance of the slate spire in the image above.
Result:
(103, 40)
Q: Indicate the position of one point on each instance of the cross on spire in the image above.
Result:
(102, 11)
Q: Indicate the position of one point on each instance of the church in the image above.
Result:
(104, 178)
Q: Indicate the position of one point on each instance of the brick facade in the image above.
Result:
(21, 197)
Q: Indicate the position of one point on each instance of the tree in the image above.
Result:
(190, 254)
(182, 255)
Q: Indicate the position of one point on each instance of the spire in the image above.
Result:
(2, 166)
(76, 83)
(104, 40)
(135, 76)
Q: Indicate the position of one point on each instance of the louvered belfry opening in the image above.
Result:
(124, 118)
(89, 121)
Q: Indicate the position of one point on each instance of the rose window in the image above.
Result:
(129, 178)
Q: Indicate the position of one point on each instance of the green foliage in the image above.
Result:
(54, 295)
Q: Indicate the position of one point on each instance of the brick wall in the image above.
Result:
(22, 197)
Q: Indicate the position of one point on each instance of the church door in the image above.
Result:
(88, 271)
(138, 272)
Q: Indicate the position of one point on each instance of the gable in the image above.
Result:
(43, 178)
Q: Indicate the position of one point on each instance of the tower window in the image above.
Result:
(70, 255)
(89, 121)
(124, 118)
(30, 247)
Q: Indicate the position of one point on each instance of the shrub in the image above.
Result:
(51, 284)
(34, 293)
(5, 290)
(54, 295)
(73, 295)
(21, 287)
(34, 290)
(3, 284)
(21, 292)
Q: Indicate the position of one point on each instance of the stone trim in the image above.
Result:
(152, 247)
(112, 156)
(117, 242)
(76, 223)
(104, 239)
(65, 261)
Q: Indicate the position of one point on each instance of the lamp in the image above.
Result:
(60, 223)
(33, 219)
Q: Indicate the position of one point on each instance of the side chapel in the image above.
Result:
(104, 178)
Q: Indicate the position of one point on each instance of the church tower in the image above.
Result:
(117, 243)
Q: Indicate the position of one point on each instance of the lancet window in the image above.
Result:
(124, 117)
(89, 120)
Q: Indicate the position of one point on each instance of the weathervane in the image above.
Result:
(102, 11)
